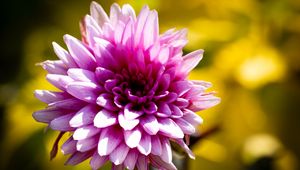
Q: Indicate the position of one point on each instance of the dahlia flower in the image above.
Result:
(124, 93)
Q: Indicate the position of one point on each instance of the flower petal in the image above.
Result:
(130, 113)
(82, 75)
(106, 100)
(97, 161)
(150, 124)
(131, 159)
(169, 128)
(84, 116)
(59, 81)
(141, 19)
(132, 137)
(127, 124)
(156, 148)
(191, 60)
(142, 163)
(119, 154)
(110, 138)
(86, 144)
(159, 163)
(64, 56)
(80, 53)
(54, 67)
(151, 30)
(145, 144)
(98, 13)
(78, 157)
(105, 118)
(86, 91)
(166, 153)
(47, 96)
(192, 117)
(204, 102)
(48, 114)
(69, 147)
(185, 126)
(103, 74)
(85, 132)
(62, 123)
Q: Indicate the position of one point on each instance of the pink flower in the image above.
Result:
(124, 93)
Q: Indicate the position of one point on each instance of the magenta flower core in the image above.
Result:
(124, 93)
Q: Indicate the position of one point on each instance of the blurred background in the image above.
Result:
(252, 56)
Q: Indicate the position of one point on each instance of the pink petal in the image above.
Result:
(185, 126)
(141, 19)
(103, 74)
(131, 159)
(62, 123)
(48, 114)
(127, 11)
(87, 144)
(142, 163)
(104, 57)
(69, 104)
(84, 116)
(192, 117)
(127, 124)
(110, 138)
(159, 163)
(119, 29)
(86, 91)
(145, 144)
(69, 147)
(105, 118)
(97, 161)
(78, 157)
(130, 113)
(166, 153)
(49, 96)
(186, 148)
(163, 110)
(169, 128)
(163, 55)
(85, 132)
(150, 124)
(115, 14)
(119, 154)
(181, 87)
(80, 53)
(127, 39)
(176, 112)
(54, 67)
(59, 81)
(98, 13)
(204, 102)
(132, 137)
(82, 75)
(106, 100)
(156, 148)
(164, 82)
(64, 56)
(151, 30)
(191, 60)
